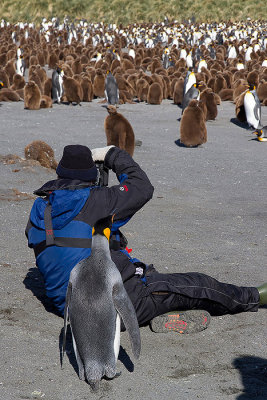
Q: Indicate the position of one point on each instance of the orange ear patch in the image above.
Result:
(106, 232)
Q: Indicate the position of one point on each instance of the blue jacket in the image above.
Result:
(73, 208)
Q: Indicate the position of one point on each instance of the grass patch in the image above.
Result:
(131, 11)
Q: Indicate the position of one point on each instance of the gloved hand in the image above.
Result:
(140, 268)
(99, 154)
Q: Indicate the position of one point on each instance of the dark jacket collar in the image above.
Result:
(61, 184)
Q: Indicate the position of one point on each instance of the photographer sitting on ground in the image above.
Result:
(60, 231)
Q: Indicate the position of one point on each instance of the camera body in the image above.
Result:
(102, 178)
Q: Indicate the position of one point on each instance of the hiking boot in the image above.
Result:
(263, 294)
(190, 321)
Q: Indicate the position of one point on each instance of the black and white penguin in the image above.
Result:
(189, 80)
(252, 108)
(96, 301)
(20, 62)
(111, 89)
(192, 93)
(57, 85)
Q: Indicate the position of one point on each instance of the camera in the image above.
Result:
(102, 176)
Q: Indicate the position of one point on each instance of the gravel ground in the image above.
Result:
(208, 214)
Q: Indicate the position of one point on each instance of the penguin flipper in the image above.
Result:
(257, 112)
(66, 315)
(127, 312)
(257, 108)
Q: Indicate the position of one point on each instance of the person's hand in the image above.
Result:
(99, 154)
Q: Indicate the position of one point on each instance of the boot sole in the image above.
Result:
(184, 322)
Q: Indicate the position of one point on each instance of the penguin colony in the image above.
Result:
(196, 66)
(74, 63)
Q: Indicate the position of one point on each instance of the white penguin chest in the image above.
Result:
(19, 67)
(117, 337)
(60, 81)
(190, 82)
(249, 105)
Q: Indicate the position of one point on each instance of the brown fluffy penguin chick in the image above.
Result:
(18, 82)
(178, 91)
(240, 109)
(220, 83)
(142, 87)
(253, 78)
(119, 131)
(99, 83)
(262, 90)
(9, 95)
(72, 90)
(32, 96)
(208, 97)
(87, 88)
(193, 131)
(226, 94)
(155, 93)
(48, 87)
(10, 70)
(46, 102)
(4, 78)
(42, 152)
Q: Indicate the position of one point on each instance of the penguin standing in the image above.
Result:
(119, 131)
(72, 90)
(189, 80)
(96, 300)
(57, 85)
(193, 130)
(252, 107)
(32, 96)
(111, 89)
(155, 93)
(20, 65)
(192, 93)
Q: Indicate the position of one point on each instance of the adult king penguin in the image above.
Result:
(57, 85)
(20, 65)
(96, 300)
(192, 93)
(111, 89)
(190, 79)
(252, 107)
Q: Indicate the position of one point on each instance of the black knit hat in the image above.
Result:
(77, 163)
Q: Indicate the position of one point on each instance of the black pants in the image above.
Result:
(163, 293)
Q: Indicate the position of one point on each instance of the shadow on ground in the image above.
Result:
(253, 371)
(34, 281)
(243, 125)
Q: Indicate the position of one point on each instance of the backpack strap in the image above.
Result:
(51, 240)
(49, 233)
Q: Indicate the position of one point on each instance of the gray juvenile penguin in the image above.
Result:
(95, 301)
